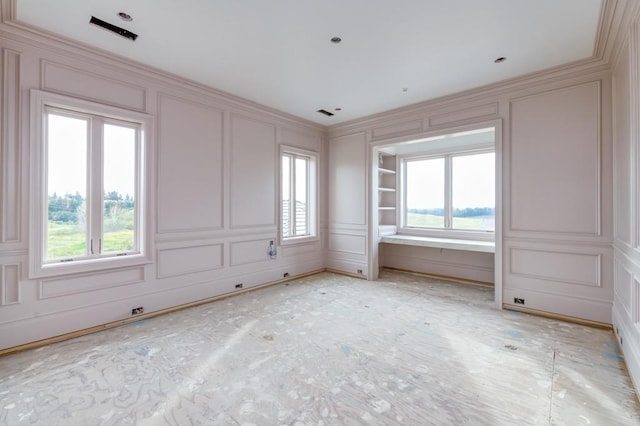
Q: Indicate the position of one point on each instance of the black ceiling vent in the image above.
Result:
(113, 28)
(325, 112)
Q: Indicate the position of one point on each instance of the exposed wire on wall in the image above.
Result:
(273, 253)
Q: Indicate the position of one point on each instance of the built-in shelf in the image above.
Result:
(387, 184)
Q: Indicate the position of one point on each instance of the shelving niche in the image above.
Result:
(386, 195)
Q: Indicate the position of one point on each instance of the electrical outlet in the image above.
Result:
(137, 311)
(360, 271)
(286, 274)
(239, 285)
(518, 301)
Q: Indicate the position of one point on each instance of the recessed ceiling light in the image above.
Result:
(125, 16)
(500, 60)
(336, 40)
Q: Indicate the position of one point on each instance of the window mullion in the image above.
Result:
(95, 202)
(448, 216)
(307, 201)
(292, 196)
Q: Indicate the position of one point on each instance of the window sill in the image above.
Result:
(298, 240)
(444, 243)
(89, 266)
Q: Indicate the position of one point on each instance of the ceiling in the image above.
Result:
(279, 53)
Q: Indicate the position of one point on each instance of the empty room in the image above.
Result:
(320, 213)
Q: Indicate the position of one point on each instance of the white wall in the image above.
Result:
(555, 156)
(214, 191)
(626, 132)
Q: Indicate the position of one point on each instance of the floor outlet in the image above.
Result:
(137, 311)
(239, 285)
(518, 301)
(360, 271)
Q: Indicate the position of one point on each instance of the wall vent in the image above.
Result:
(113, 28)
(325, 112)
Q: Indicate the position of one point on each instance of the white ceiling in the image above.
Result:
(278, 53)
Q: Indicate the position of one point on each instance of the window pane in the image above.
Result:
(286, 195)
(473, 192)
(425, 193)
(301, 197)
(119, 169)
(66, 187)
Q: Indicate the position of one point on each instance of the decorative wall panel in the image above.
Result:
(347, 180)
(10, 285)
(244, 252)
(348, 243)
(253, 173)
(190, 178)
(483, 111)
(82, 283)
(570, 268)
(10, 147)
(186, 260)
(555, 162)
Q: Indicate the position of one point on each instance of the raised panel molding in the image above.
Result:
(482, 111)
(624, 282)
(577, 268)
(186, 260)
(555, 162)
(622, 154)
(10, 147)
(348, 243)
(347, 180)
(89, 282)
(88, 85)
(253, 153)
(635, 294)
(251, 251)
(634, 121)
(10, 284)
(311, 142)
(397, 129)
(190, 175)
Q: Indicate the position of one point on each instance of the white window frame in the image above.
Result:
(312, 194)
(447, 231)
(39, 266)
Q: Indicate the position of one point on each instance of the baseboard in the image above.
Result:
(560, 317)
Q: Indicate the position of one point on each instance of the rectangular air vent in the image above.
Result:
(113, 28)
(325, 112)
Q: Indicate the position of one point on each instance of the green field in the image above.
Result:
(432, 221)
(66, 240)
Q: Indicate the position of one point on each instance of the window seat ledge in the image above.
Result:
(445, 243)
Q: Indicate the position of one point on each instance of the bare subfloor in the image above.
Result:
(328, 350)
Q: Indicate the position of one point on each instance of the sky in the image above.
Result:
(67, 156)
(473, 183)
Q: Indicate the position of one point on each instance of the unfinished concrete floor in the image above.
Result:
(328, 350)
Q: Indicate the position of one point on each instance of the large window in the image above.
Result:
(454, 192)
(298, 194)
(90, 201)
